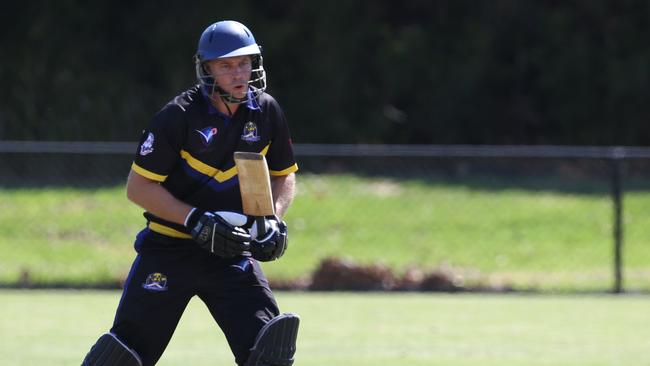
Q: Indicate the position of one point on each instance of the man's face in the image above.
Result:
(231, 74)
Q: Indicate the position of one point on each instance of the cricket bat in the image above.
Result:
(255, 187)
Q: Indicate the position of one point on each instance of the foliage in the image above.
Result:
(455, 72)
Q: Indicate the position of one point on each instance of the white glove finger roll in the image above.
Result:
(233, 218)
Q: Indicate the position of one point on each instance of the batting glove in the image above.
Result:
(216, 235)
(273, 243)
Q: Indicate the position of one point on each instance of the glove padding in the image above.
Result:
(273, 243)
(216, 235)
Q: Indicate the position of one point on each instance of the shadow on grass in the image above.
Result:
(570, 176)
(574, 176)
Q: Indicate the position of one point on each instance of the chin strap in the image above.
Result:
(226, 104)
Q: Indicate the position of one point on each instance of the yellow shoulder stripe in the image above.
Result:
(147, 174)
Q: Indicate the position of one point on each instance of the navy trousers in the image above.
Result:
(167, 273)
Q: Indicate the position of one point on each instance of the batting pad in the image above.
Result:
(110, 351)
(275, 344)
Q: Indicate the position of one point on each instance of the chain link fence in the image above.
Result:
(510, 218)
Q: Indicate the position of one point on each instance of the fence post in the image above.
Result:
(617, 196)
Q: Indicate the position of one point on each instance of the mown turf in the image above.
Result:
(492, 232)
(58, 327)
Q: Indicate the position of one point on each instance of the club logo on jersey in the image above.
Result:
(207, 134)
(147, 145)
(155, 282)
(250, 133)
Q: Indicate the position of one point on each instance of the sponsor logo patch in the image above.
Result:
(250, 133)
(207, 134)
(155, 282)
(147, 146)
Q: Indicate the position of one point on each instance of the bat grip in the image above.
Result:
(261, 226)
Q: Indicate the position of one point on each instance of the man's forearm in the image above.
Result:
(284, 189)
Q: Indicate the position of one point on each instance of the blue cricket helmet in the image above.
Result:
(229, 38)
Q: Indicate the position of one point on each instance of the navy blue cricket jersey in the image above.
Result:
(189, 146)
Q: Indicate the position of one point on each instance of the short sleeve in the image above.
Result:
(280, 156)
(160, 144)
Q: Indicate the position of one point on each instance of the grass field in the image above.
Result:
(540, 235)
(58, 327)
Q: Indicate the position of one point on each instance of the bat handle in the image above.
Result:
(261, 226)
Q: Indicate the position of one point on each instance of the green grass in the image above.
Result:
(58, 328)
(542, 235)
(66, 235)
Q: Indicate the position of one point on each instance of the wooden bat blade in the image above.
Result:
(254, 184)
